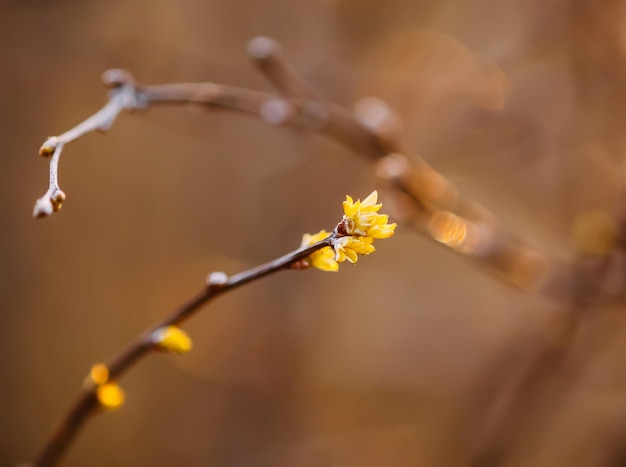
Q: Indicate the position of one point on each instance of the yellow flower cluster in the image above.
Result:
(323, 259)
(355, 234)
(362, 218)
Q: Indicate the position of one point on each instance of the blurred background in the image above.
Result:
(521, 103)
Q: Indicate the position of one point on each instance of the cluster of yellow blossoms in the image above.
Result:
(353, 236)
(360, 226)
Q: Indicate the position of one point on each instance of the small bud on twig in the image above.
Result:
(116, 77)
(110, 396)
(261, 48)
(99, 374)
(49, 146)
(377, 116)
(57, 200)
(172, 339)
(216, 279)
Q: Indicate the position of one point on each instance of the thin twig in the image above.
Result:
(217, 283)
(122, 96)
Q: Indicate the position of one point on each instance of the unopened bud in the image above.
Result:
(57, 200)
(261, 48)
(172, 339)
(99, 374)
(49, 146)
(217, 278)
(110, 396)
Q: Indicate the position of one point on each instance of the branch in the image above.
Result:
(426, 200)
(266, 54)
(354, 235)
(218, 283)
(122, 96)
(508, 391)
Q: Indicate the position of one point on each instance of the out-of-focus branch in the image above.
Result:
(266, 56)
(426, 199)
(596, 277)
(429, 202)
(88, 403)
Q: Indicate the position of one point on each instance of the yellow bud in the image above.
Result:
(110, 396)
(99, 373)
(172, 339)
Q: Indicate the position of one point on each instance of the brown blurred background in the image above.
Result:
(520, 102)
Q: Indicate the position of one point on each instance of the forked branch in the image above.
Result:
(426, 200)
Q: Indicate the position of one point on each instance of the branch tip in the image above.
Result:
(393, 166)
(43, 208)
(263, 48)
(116, 77)
(216, 279)
(171, 339)
(377, 116)
(49, 146)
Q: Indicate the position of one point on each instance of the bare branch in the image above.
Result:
(266, 56)
(373, 131)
